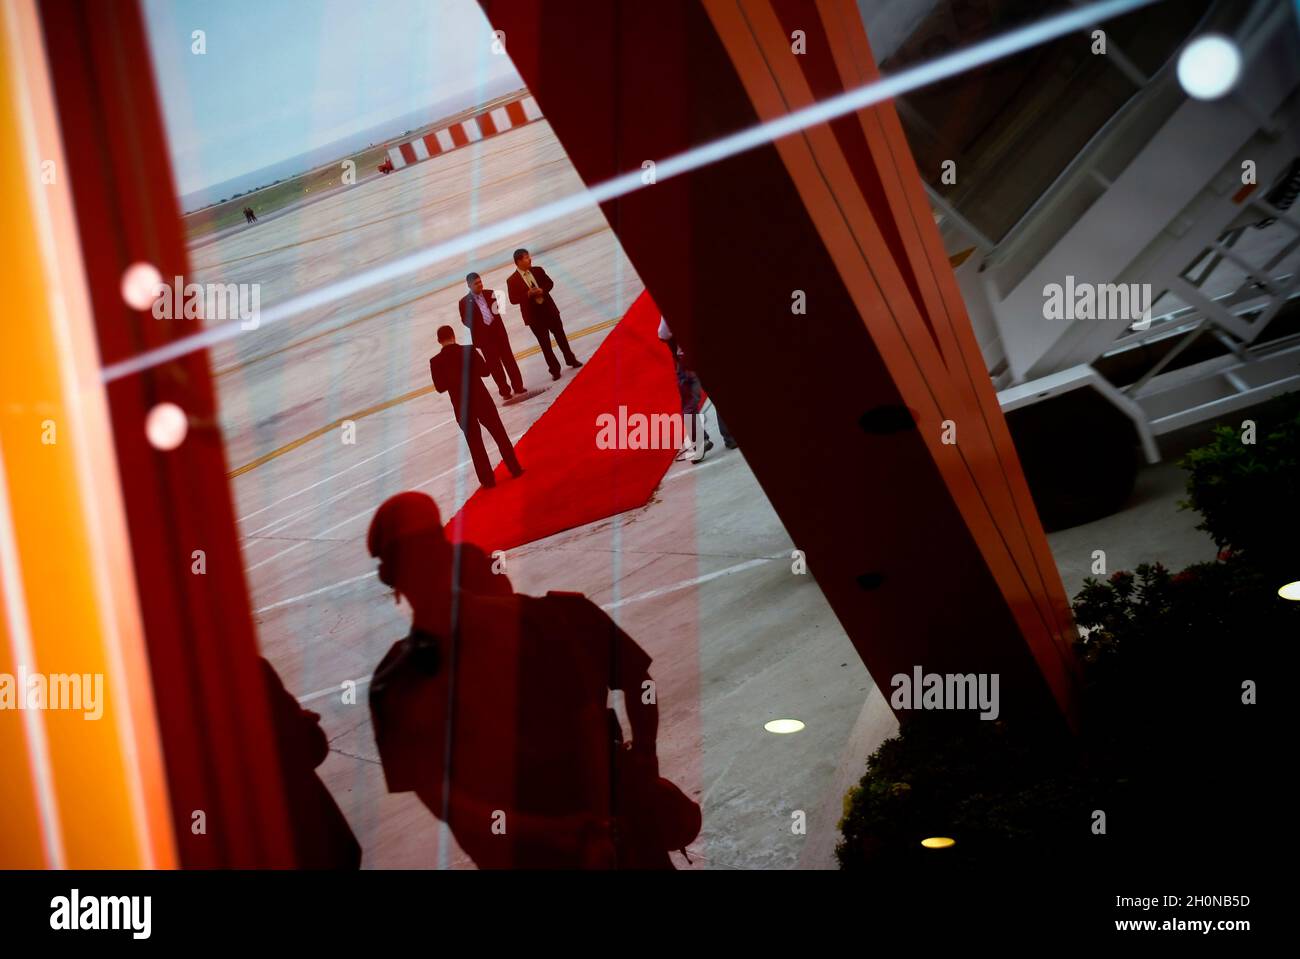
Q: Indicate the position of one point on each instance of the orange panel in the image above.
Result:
(72, 578)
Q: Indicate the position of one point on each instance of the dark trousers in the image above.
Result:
(486, 415)
(688, 386)
(722, 428)
(500, 358)
(544, 330)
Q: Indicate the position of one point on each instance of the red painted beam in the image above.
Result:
(929, 552)
(217, 741)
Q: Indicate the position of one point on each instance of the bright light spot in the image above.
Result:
(938, 842)
(783, 726)
(1209, 66)
(166, 426)
(140, 284)
(1290, 591)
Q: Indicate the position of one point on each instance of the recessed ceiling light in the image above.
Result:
(782, 726)
(1290, 591)
(938, 842)
(1209, 66)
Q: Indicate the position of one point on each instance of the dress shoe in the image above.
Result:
(576, 363)
(506, 394)
(708, 445)
(731, 444)
(555, 374)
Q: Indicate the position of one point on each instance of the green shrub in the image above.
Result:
(1163, 664)
(1168, 748)
(1158, 644)
(997, 791)
(1247, 493)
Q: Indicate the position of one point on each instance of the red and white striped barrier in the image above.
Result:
(516, 113)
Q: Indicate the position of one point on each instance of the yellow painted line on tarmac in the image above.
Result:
(387, 405)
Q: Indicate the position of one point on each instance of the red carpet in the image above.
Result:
(568, 481)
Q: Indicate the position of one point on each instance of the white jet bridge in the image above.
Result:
(1189, 200)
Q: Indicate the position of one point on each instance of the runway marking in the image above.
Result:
(322, 693)
(330, 427)
(368, 511)
(284, 521)
(688, 583)
(639, 597)
(349, 469)
(388, 404)
(315, 592)
(684, 472)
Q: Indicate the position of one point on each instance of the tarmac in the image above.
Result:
(702, 576)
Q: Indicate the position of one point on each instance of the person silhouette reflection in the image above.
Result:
(493, 710)
(322, 838)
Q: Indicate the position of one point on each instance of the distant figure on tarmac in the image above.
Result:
(487, 331)
(249, 215)
(538, 774)
(458, 371)
(530, 290)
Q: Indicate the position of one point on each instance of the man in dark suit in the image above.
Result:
(458, 371)
(530, 290)
(487, 330)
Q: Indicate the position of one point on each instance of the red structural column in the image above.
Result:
(868, 419)
(217, 742)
